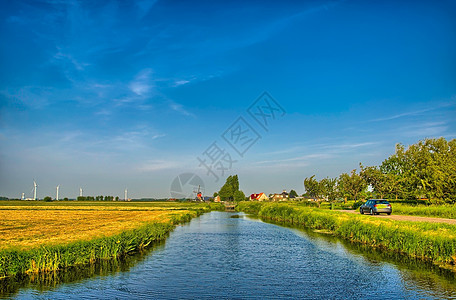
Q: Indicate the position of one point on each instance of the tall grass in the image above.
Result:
(438, 211)
(429, 241)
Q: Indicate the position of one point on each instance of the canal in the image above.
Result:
(226, 255)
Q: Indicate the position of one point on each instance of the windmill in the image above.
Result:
(199, 194)
(57, 193)
(80, 192)
(34, 189)
(126, 192)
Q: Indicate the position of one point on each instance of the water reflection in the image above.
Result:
(415, 274)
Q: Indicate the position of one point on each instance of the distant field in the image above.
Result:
(111, 204)
(28, 224)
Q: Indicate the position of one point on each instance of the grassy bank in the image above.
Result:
(436, 211)
(56, 236)
(447, 211)
(428, 241)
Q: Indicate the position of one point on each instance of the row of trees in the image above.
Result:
(230, 190)
(347, 186)
(426, 169)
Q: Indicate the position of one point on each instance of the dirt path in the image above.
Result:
(408, 218)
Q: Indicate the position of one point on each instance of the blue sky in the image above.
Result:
(110, 95)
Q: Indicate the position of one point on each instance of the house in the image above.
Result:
(279, 197)
(217, 199)
(259, 197)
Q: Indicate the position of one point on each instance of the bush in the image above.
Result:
(357, 204)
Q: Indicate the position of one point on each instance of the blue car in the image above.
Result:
(375, 207)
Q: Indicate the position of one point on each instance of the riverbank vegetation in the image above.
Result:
(42, 236)
(425, 170)
(429, 241)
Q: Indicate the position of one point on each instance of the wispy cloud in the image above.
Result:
(180, 109)
(304, 158)
(181, 82)
(159, 165)
(31, 96)
(425, 129)
(142, 85)
(347, 147)
(415, 112)
(69, 58)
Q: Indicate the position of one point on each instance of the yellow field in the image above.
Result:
(26, 227)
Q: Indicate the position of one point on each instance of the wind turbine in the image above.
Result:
(80, 191)
(57, 194)
(126, 192)
(34, 189)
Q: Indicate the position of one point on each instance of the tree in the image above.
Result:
(328, 187)
(228, 190)
(425, 169)
(374, 177)
(351, 185)
(239, 196)
(47, 199)
(312, 186)
(293, 194)
(215, 194)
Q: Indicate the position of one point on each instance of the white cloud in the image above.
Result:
(78, 65)
(180, 109)
(301, 158)
(347, 147)
(157, 165)
(419, 112)
(426, 129)
(142, 84)
(181, 82)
